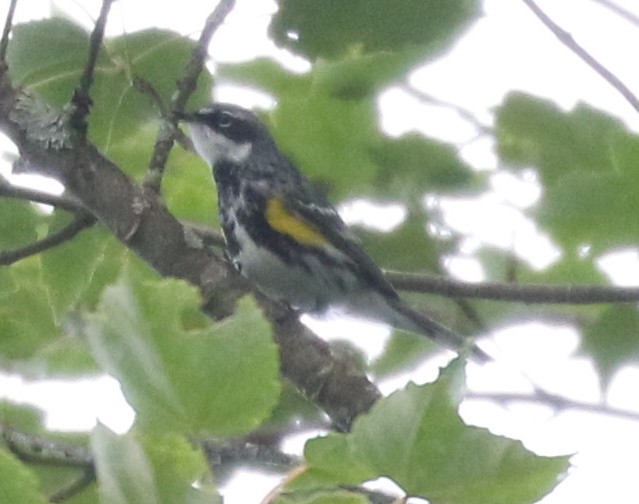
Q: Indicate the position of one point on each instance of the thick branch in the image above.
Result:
(570, 43)
(335, 384)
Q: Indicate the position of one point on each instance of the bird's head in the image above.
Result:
(224, 132)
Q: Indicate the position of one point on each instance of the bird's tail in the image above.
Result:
(399, 314)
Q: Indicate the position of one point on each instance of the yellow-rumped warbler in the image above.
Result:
(285, 237)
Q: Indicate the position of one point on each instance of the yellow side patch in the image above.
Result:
(280, 219)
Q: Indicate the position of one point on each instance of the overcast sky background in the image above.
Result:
(507, 49)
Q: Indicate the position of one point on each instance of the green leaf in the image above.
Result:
(176, 465)
(221, 380)
(188, 188)
(124, 471)
(49, 56)
(407, 248)
(36, 341)
(18, 484)
(18, 223)
(120, 109)
(329, 140)
(613, 340)
(416, 437)
(267, 74)
(70, 269)
(403, 351)
(28, 418)
(587, 164)
(26, 317)
(532, 131)
(149, 469)
(592, 208)
(360, 76)
(333, 28)
(412, 164)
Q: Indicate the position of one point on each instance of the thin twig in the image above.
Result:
(95, 42)
(185, 87)
(570, 43)
(143, 86)
(620, 11)
(64, 201)
(465, 114)
(75, 487)
(8, 23)
(81, 100)
(78, 224)
(188, 83)
(554, 401)
(519, 293)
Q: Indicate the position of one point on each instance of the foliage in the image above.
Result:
(429, 451)
(89, 306)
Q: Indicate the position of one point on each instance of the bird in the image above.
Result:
(285, 237)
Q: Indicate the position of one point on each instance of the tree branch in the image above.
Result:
(185, 87)
(243, 451)
(567, 40)
(521, 293)
(34, 449)
(411, 282)
(620, 11)
(465, 114)
(95, 42)
(75, 487)
(555, 401)
(81, 100)
(145, 87)
(141, 221)
(67, 233)
(208, 235)
(8, 23)
(64, 201)
(39, 450)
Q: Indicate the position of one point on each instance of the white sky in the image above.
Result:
(507, 49)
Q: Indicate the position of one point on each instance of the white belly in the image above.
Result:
(309, 290)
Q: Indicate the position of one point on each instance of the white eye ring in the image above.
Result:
(225, 120)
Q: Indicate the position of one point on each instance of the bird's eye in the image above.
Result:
(225, 120)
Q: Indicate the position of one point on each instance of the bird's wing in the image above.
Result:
(312, 209)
